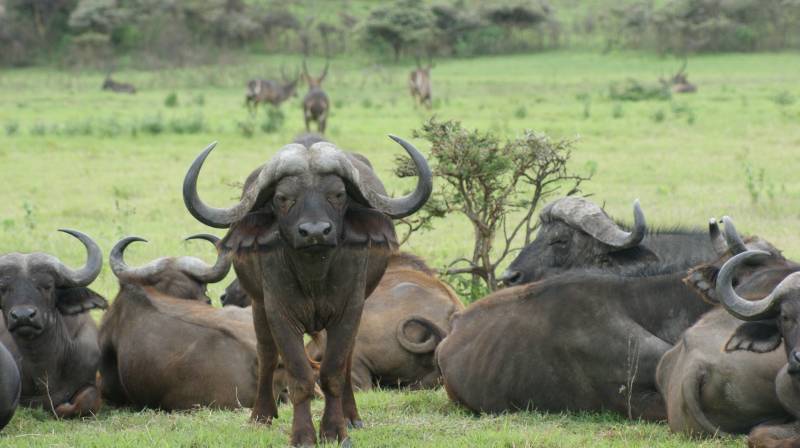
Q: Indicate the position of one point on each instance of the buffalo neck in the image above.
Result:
(662, 304)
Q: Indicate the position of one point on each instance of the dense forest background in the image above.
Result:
(106, 34)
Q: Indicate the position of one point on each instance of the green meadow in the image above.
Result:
(112, 165)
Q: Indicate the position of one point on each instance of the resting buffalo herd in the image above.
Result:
(697, 327)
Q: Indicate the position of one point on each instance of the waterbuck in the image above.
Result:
(270, 91)
(118, 87)
(419, 83)
(316, 103)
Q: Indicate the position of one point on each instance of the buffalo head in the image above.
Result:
(771, 315)
(573, 233)
(307, 191)
(235, 296)
(36, 289)
(181, 277)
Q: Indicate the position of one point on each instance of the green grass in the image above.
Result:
(393, 419)
(112, 165)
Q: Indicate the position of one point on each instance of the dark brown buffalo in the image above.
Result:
(310, 240)
(316, 104)
(48, 330)
(179, 277)
(770, 322)
(10, 386)
(586, 340)
(164, 347)
(404, 320)
(575, 233)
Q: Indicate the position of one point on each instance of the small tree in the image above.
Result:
(402, 24)
(487, 181)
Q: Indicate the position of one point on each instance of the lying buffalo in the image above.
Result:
(404, 320)
(10, 386)
(770, 321)
(50, 333)
(575, 233)
(586, 340)
(179, 277)
(160, 350)
(310, 240)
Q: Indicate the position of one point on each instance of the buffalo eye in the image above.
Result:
(337, 198)
(283, 201)
(558, 243)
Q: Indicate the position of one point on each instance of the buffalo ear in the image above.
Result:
(703, 280)
(71, 301)
(760, 337)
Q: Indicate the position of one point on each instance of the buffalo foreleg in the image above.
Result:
(348, 397)
(301, 376)
(265, 408)
(334, 375)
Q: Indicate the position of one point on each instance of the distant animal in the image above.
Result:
(316, 104)
(419, 84)
(679, 82)
(269, 91)
(48, 330)
(634, 313)
(403, 322)
(118, 87)
(163, 347)
(310, 240)
(10, 386)
(707, 389)
(575, 233)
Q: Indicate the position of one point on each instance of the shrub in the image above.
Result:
(152, 125)
(490, 182)
(11, 127)
(273, 121)
(171, 100)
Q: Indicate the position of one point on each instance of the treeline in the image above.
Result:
(184, 32)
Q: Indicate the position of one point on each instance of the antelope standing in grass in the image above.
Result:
(270, 91)
(419, 83)
(316, 103)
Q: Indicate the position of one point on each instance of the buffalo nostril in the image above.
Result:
(327, 230)
(303, 232)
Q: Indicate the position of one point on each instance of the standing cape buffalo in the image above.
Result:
(404, 320)
(310, 240)
(10, 386)
(50, 333)
(576, 233)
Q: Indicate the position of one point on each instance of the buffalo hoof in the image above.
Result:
(262, 419)
(346, 443)
(355, 424)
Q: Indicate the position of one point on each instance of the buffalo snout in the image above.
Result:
(316, 233)
(794, 362)
(511, 277)
(24, 316)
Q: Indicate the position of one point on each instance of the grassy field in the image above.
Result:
(112, 165)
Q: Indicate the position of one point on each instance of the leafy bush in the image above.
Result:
(188, 125)
(12, 127)
(152, 125)
(171, 100)
(273, 121)
(489, 182)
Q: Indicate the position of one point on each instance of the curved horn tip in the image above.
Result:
(203, 236)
